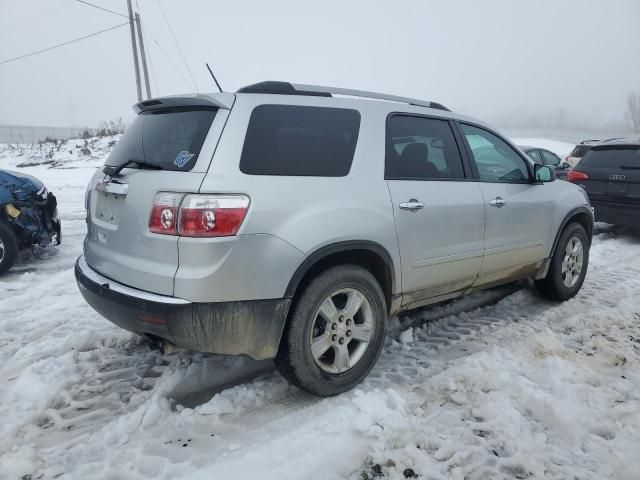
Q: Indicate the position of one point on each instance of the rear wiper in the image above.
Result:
(629, 167)
(116, 171)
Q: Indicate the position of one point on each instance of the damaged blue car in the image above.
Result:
(28, 216)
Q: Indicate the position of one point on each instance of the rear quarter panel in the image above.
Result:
(309, 213)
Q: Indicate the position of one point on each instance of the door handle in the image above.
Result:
(412, 205)
(497, 202)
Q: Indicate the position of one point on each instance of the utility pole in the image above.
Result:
(135, 51)
(143, 57)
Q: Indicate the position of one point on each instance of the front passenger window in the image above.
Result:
(496, 160)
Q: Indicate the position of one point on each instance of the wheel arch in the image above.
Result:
(581, 215)
(367, 254)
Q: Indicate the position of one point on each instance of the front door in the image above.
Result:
(439, 211)
(518, 213)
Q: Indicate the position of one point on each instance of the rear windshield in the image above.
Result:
(170, 140)
(300, 141)
(623, 157)
(580, 151)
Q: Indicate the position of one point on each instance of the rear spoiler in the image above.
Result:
(216, 100)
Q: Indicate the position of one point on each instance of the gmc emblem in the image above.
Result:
(617, 177)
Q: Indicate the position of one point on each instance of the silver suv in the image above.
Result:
(290, 221)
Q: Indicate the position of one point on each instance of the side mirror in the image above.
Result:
(565, 166)
(544, 173)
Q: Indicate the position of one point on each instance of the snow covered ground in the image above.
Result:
(499, 385)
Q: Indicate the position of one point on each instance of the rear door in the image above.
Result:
(518, 213)
(438, 209)
(614, 174)
(178, 143)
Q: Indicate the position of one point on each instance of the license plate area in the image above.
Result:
(617, 188)
(108, 207)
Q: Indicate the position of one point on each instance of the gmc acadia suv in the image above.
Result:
(290, 221)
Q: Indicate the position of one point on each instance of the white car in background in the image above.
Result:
(580, 151)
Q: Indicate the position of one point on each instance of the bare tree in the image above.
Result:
(633, 110)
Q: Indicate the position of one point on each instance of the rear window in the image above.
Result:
(622, 157)
(300, 141)
(170, 140)
(580, 151)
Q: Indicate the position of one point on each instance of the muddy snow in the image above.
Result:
(502, 384)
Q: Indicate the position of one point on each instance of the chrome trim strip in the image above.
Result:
(113, 186)
(447, 259)
(95, 277)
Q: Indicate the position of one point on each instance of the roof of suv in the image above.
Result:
(634, 141)
(226, 100)
(286, 88)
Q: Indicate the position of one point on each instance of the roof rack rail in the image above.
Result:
(286, 88)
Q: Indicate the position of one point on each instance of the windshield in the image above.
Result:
(170, 140)
(619, 157)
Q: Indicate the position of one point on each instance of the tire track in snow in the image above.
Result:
(118, 380)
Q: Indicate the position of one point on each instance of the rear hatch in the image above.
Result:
(168, 147)
(613, 174)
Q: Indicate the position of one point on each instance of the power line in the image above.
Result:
(171, 62)
(178, 45)
(62, 44)
(15, 25)
(102, 8)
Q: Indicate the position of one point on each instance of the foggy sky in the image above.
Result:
(491, 59)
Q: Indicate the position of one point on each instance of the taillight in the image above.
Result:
(575, 176)
(212, 215)
(198, 215)
(164, 213)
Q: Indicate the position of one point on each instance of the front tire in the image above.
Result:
(335, 331)
(568, 265)
(8, 247)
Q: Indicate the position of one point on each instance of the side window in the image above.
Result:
(549, 158)
(496, 160)
(535, 156)
(300, 141)
(421, 148)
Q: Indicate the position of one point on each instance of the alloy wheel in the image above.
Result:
(572, 262)
(342, 329)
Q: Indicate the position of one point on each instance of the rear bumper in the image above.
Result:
(251, 327)
(617, 213)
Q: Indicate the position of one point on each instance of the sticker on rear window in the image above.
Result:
(182, 158)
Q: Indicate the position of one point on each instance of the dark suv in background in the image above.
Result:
(610, 174)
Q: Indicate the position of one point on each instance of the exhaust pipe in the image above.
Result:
(161, 345)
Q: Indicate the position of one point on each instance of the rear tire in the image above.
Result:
(568, 265)
(335, 331)
(8, 247)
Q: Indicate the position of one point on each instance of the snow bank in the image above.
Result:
(75, 152)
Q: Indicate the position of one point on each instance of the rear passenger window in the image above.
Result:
(300, 141)
(421, 148)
